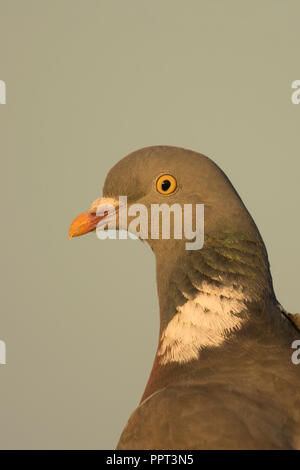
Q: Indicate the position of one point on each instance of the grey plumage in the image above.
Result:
(222, 377)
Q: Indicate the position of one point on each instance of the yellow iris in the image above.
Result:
(166, 184)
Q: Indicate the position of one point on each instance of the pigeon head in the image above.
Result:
(175, 175)
(164, 175)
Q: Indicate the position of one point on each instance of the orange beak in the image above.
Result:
(84, 223)
(87, 221)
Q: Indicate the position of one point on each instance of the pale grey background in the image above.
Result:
(88, 81)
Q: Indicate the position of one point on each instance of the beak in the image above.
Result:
(88, 221)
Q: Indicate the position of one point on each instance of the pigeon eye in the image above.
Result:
(166, 184)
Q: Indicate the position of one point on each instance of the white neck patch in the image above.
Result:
(204, 321)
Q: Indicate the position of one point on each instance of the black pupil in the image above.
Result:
(165, 185)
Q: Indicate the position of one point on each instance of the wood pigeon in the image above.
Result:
(223, 375)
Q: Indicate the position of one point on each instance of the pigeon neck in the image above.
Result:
(208, 296)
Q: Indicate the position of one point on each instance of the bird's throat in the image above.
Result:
(209, 296)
